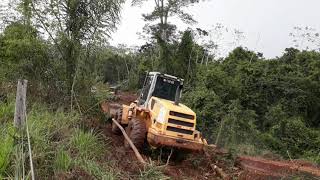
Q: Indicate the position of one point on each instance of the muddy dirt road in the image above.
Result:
(197, 166)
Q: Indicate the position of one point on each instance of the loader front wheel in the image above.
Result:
(136, 130)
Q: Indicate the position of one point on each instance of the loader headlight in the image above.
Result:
(162, 115)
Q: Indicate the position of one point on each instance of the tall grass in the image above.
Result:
(48, 131)
(6, 136)
(59, 146)
(6, 148)
(152, 172)
(63, 161)
(89, 150)
(7, 111)
(97, 170)
(87, 145)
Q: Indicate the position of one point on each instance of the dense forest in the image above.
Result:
(244, 102)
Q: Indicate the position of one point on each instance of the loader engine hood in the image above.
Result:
(170, 106)
(173, 120)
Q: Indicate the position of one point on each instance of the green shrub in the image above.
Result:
(238, 126)
(292, 136)
(87, 145)
(62, 161)
(101, 92)
(313, 156)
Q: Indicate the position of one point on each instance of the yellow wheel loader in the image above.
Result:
(158, 117)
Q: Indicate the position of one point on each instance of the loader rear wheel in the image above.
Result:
(136, 131)
(115, 129)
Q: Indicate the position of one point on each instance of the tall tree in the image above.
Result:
(75, 24)
(163, 10)
(22, 53)
(162, 31)
(183, 65)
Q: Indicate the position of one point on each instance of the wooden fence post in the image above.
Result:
(20, 111)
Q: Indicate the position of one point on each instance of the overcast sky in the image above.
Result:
(266, 23)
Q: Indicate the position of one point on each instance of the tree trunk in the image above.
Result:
(133, 147)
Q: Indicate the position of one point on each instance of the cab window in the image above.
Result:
(145, 90)
(165, 88)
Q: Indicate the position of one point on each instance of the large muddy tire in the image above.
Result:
(136, 130)
(115, 129)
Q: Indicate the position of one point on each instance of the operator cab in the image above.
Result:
(162, 86)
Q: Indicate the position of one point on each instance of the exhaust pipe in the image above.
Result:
(177, 97)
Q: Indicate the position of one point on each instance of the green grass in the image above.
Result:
(6, 134)
(7, 111)
(97, 170)
(63, 161)
(89, 149)
(85, 151)
(6, 148)
(60, 146)
(152, 172)
(49, 132)
(87, 145)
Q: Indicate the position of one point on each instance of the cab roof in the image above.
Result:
(166, 75)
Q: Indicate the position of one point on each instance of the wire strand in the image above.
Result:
(30, 151)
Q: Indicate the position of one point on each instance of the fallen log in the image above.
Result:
(133, 147)
(214, 167)
(219, 171)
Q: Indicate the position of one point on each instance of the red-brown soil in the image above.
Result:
(260, 167)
